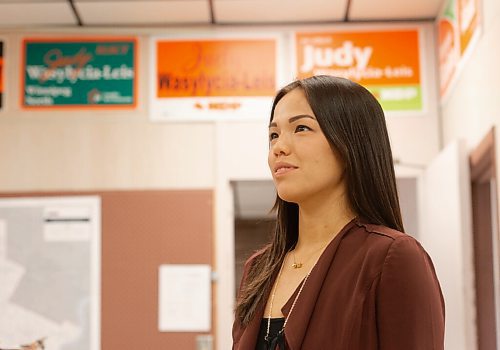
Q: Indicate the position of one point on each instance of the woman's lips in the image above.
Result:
(283, 168)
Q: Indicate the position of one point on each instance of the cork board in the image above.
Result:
(142, 230)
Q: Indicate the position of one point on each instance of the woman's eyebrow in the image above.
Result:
(293, 119)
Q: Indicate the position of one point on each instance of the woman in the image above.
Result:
(339, 272)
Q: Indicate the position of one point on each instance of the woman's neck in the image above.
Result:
(320, 222)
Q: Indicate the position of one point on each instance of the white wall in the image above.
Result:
(473, 106)
(447, 235)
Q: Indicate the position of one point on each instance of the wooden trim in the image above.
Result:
(482, 159)
(484, 266)
(482, 170)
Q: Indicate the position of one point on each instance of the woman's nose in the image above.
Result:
(281, 146)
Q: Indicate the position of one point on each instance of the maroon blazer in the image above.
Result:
(372, 288)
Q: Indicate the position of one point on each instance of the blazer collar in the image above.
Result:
(298, 322)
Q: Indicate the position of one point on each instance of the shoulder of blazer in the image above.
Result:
(382, 230)
(256, 254)
(249, 262)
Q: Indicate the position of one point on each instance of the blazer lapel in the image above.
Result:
(248, 339)
(298, 322)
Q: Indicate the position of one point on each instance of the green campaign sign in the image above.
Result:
(79, 73)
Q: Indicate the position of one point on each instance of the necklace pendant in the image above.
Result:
(297, 265)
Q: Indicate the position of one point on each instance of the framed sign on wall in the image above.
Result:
(79, 72)
(213, 78)
(385, 61)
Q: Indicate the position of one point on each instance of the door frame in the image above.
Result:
(486, 240)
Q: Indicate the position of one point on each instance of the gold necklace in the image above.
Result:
(293, 304)
(295, 264)
(298, 265)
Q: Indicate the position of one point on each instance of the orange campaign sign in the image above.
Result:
(387, 62)
(225, 75)
(216, 68)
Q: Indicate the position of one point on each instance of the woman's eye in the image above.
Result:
(302, 128)
(273, 136)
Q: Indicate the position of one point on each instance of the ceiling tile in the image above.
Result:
(143, 12)
(278, 11)
(33, 14)
(393, 9)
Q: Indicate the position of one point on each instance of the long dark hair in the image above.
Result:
(353, 122)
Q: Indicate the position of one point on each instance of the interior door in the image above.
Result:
(446, 234)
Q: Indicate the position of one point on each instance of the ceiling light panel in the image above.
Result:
(278, 11)
(36, 13)
(393, 9)
(143, 12)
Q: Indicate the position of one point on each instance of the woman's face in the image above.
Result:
(303, 165)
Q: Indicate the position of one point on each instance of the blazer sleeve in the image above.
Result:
(409, 303)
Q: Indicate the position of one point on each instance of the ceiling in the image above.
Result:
(97, 13)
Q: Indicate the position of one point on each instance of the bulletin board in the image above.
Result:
(140, 231)
(50, 272)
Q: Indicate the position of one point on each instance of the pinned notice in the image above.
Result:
(184, 298)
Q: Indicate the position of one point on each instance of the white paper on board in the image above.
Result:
(184, 298)
(41, 260)
(67, 223)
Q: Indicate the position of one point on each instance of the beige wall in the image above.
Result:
(79, 150)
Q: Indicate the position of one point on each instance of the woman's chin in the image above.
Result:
(289, 196)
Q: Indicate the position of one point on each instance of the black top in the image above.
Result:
(276, 326)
